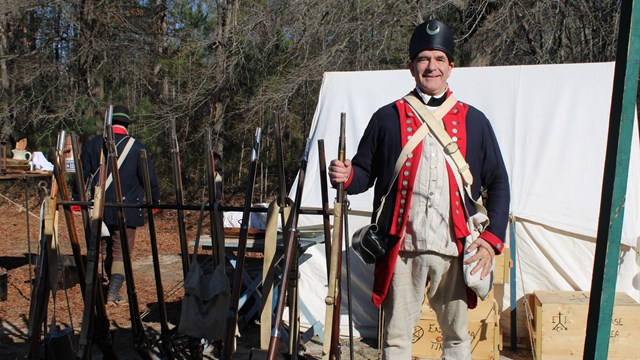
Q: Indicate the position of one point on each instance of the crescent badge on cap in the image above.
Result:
(432, 31)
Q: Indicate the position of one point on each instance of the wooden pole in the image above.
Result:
(614, 187)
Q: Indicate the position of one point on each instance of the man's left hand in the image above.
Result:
(484, 257)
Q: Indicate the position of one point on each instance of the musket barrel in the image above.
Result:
(324, 186)
(292, 225)
(137, 328)
(177, 177)
(215, 216)
(282, 186)
(331, 344)
(93, 293)
(164, 326)
(232, 314)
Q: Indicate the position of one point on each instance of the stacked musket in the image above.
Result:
(228, 348)
(166, 344)
(95, 324)
(93, 299)
(290, 245)
(47, 261)
(177, 177)
(139, 337)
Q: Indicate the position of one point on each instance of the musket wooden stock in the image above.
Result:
(228, 349)
(331, 344)
(290, 253)
(165, 338)
(40, 293)
(177, 177)
(139, 337)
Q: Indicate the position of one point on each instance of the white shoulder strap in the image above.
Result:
(434, 121)
(435, 125)
(121, 158)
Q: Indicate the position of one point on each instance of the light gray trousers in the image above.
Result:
(447, 297)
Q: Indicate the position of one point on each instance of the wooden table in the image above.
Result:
(25, 175)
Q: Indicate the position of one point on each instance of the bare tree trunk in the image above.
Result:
(91, 85)
(5, 128)
(160, 23)
(4, 75)
(87, 52)
(227, 11)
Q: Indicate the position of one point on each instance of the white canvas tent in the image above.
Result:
(552, 124)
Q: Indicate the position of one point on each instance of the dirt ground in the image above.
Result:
(18, 257)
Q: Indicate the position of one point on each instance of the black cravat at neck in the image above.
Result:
(435, 102)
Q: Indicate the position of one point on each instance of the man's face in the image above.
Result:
(431, 69)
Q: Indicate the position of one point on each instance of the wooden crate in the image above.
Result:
(559, 325)
(502, 267)
(484, 329)
(14, 166)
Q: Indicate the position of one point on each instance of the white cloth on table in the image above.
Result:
(40, 162)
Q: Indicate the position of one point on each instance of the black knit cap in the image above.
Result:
(121, 115)
(431, 35)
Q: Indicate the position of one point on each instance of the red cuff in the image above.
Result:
(346, 183)
(76, 208)
(496, 243)
(155, 210)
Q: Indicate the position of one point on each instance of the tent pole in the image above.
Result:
(616, 170)
(512, 285)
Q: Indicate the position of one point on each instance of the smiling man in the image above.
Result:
(425, 212)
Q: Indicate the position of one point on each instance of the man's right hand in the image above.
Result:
(339, 172)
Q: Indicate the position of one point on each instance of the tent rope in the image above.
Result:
(19, 206)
